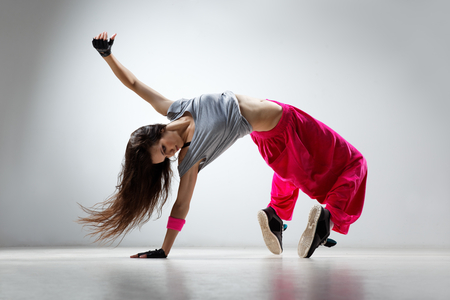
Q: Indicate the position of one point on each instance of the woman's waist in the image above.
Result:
(262, 114)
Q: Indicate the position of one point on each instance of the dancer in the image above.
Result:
(303, 152)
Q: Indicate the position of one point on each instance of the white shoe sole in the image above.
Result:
(308, 235)
(270, 239)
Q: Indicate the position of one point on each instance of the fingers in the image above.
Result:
(104, 36)
(137, 256)
(97, 37)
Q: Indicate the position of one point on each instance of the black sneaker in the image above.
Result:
(316, 232)
(272, 229)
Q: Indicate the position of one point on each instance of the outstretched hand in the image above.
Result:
(102, 45)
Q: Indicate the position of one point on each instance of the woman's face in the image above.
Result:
(167, 146)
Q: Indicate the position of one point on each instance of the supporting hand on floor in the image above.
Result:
(157, 253)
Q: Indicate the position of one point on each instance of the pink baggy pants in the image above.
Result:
(306, 154)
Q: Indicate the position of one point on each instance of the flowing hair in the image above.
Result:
(142, 188)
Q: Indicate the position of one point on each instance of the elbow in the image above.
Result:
(180, 210)
(132, 85)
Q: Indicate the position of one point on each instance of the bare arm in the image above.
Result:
(180, 208)
(160, 103)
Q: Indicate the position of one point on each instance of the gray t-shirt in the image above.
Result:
(218, 124)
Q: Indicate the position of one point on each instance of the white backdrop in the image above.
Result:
(375, 71)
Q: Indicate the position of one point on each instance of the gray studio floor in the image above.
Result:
(224, 273)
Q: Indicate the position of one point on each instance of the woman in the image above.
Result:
(304, 153)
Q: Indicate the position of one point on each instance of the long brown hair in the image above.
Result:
(142, 188)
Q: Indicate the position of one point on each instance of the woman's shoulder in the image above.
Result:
(178, 108)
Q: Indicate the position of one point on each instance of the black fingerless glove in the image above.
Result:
(103, 47)
(157, 253)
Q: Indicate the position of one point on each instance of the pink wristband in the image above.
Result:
(175, 224)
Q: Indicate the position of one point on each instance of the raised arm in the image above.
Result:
(160, 103)
(180, 208)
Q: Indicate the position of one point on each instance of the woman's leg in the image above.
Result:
(345, 200)
(284, 195)
(344, 204)
(283, 198)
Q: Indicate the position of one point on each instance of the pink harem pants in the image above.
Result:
(308, 155)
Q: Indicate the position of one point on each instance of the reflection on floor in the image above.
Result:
(224, 273)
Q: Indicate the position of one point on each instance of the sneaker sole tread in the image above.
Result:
(308, 235)
(270, 239)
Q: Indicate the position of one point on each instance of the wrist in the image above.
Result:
(105, 54)
(166, 252)
(175, 223)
